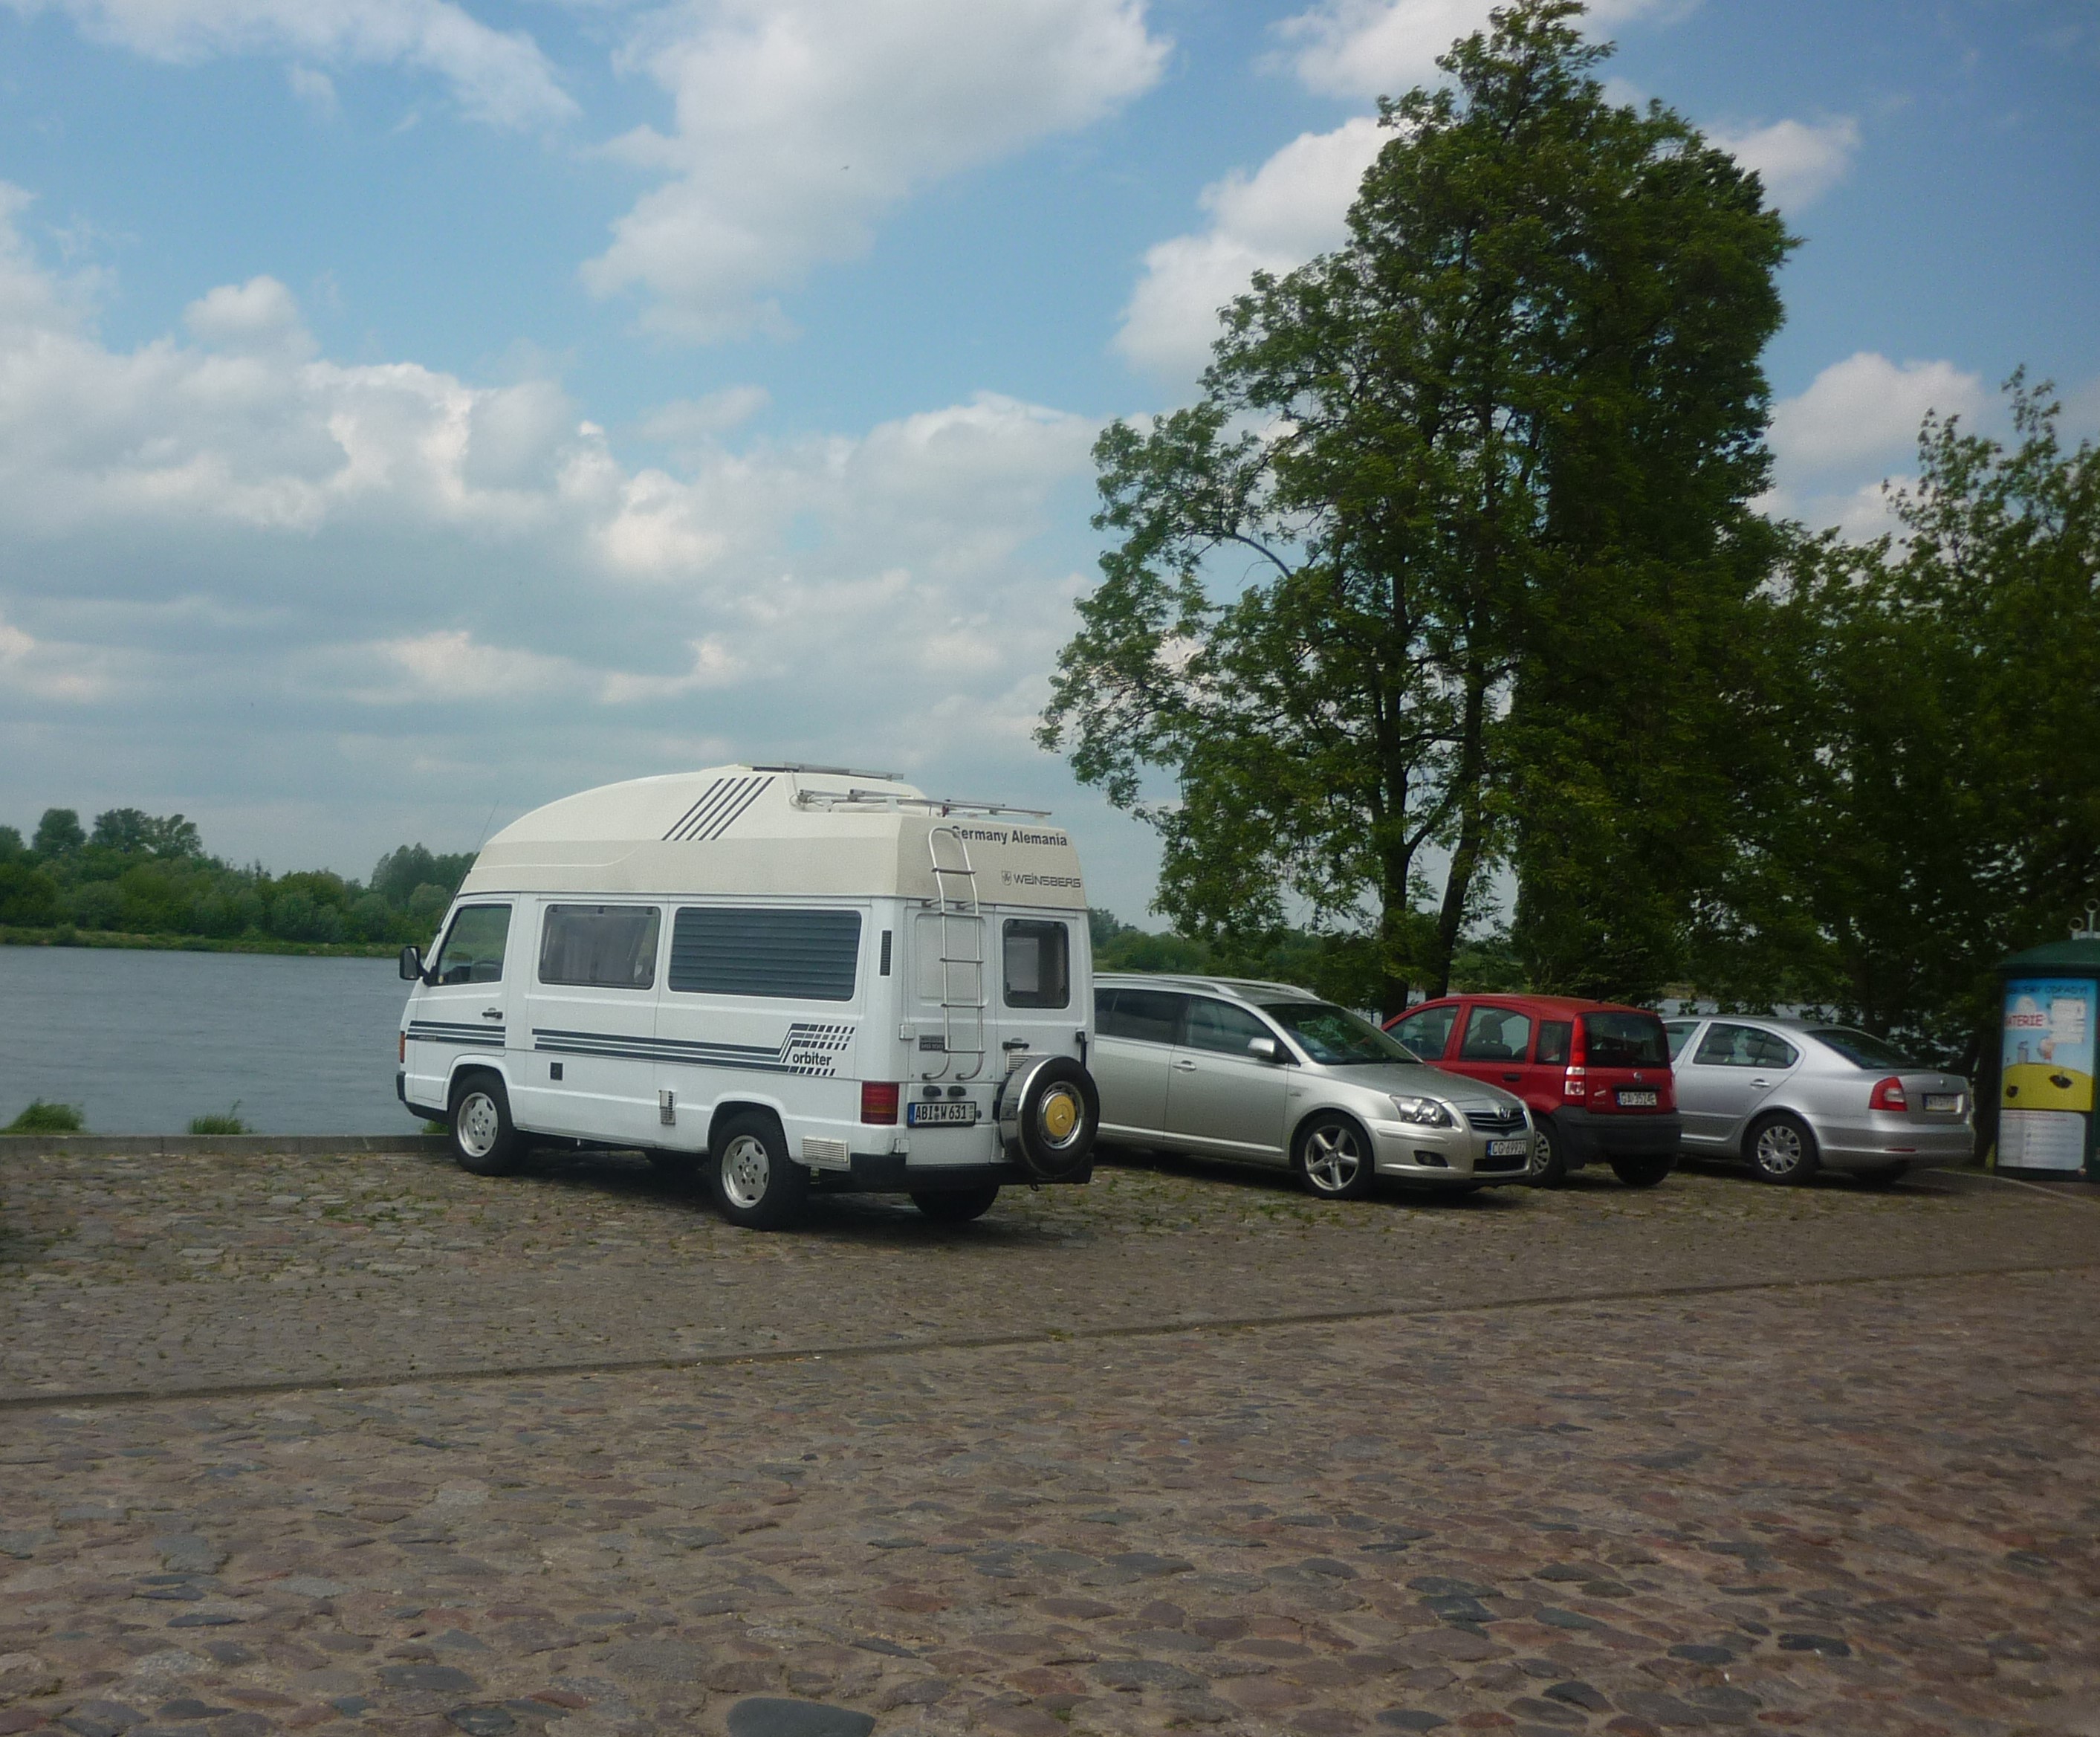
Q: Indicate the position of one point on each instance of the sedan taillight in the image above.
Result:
(1889, 1095)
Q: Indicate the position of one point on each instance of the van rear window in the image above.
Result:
(1625, 1039)
(806, 956)
(1038, 963)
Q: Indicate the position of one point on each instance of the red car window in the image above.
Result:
(1426, 1030)
(1496, 1034)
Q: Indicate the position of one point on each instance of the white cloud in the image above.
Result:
(1798, 160)
(498, 77)
(1866, 408)
(266, 582)
(1291, 208)
(315, 89)
(799, 123)
(1834, 444)
(1367, 48)
(687, 422)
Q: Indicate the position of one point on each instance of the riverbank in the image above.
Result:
(65, 935)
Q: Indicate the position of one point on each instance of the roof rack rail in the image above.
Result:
(829, 771)
(857, 799)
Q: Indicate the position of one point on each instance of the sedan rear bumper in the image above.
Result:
(1893, 1139)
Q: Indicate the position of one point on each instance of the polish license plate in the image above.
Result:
(951, 1113)
(1943, 1103)
(1509, 1148)
(1637, 1100)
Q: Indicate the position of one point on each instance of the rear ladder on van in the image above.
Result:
(962, 957)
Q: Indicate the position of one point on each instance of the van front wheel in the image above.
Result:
(756, 1185)
(484, 1139)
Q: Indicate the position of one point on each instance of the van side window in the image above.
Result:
(1038, 963)
(474, 949)
(811, 955)
(601, 946)
(1150, 1015)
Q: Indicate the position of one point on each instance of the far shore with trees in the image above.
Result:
(134, 879)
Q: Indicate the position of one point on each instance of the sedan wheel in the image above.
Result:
(1335, 1158)
(1782, 1150)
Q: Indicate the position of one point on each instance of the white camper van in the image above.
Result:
(805, 976)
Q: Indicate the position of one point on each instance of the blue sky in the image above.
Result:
(412, 410)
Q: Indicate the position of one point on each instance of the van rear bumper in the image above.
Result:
(893, 1173)
(1591, 1139)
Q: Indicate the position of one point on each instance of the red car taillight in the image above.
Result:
(878, 1100)
(1575, 1084)
(1889, 1095)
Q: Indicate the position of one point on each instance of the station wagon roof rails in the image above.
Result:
(943, 805)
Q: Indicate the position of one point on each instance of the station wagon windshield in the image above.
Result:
(1335, 1037)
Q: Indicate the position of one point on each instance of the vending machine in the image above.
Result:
(2052, 1003)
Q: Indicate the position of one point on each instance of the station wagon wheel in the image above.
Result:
(1333, 1156)
(1782, 1150)
(756, 1184)
(485, 1140)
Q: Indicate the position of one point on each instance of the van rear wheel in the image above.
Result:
(957, 1206)
(756, 1185)
(485, 1140)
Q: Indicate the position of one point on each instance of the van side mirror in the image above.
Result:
(1264, 1050)
(412, 965)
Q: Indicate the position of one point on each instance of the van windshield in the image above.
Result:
(1335, 1037)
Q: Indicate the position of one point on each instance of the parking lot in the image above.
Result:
(333, 1443)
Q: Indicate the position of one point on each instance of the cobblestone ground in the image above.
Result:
(331, 1444)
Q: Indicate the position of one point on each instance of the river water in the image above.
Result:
(142, 1041)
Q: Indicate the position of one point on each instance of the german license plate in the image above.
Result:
(954, 1112)
(1943, 1103)
(1509, 1148)
(1637, 1100)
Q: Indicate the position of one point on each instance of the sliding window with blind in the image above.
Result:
(811, 955)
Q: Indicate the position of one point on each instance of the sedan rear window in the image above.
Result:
(1861, 1049)
(1625, 1039)
(1335, 1037)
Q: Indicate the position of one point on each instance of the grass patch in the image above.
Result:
(229, 1123)
(437, 1128)
(48, 1118)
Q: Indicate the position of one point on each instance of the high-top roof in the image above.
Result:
(790, 831)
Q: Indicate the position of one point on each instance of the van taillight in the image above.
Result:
(401, 1053)
(878, 1100)
(1889, 1095)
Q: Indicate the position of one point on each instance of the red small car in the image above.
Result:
(1596, 1074)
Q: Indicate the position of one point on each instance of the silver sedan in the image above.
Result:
(1267, 1074)
(1794, 1097)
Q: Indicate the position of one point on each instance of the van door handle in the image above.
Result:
(492, 1013)
(1185, 1068)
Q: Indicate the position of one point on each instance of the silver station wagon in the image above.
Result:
(1268, 1074)
(1796, 1096)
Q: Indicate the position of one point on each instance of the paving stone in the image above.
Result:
(771, 1717)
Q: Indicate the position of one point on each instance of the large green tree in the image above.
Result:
(1453, 552)
(1941, 705)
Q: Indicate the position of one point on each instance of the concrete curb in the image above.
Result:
(214, 1145)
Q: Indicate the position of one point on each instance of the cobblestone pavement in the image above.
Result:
(1551, 1475)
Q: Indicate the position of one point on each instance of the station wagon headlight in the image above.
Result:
(1425, 1112)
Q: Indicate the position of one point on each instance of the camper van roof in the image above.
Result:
(785, 831)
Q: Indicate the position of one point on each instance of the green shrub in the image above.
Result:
(47, 1118)
(229, 1123)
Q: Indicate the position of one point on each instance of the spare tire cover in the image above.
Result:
(1049, 1109)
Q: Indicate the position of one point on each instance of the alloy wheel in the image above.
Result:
(1780, 1149)
(745, 1171)
(1332, 1158)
